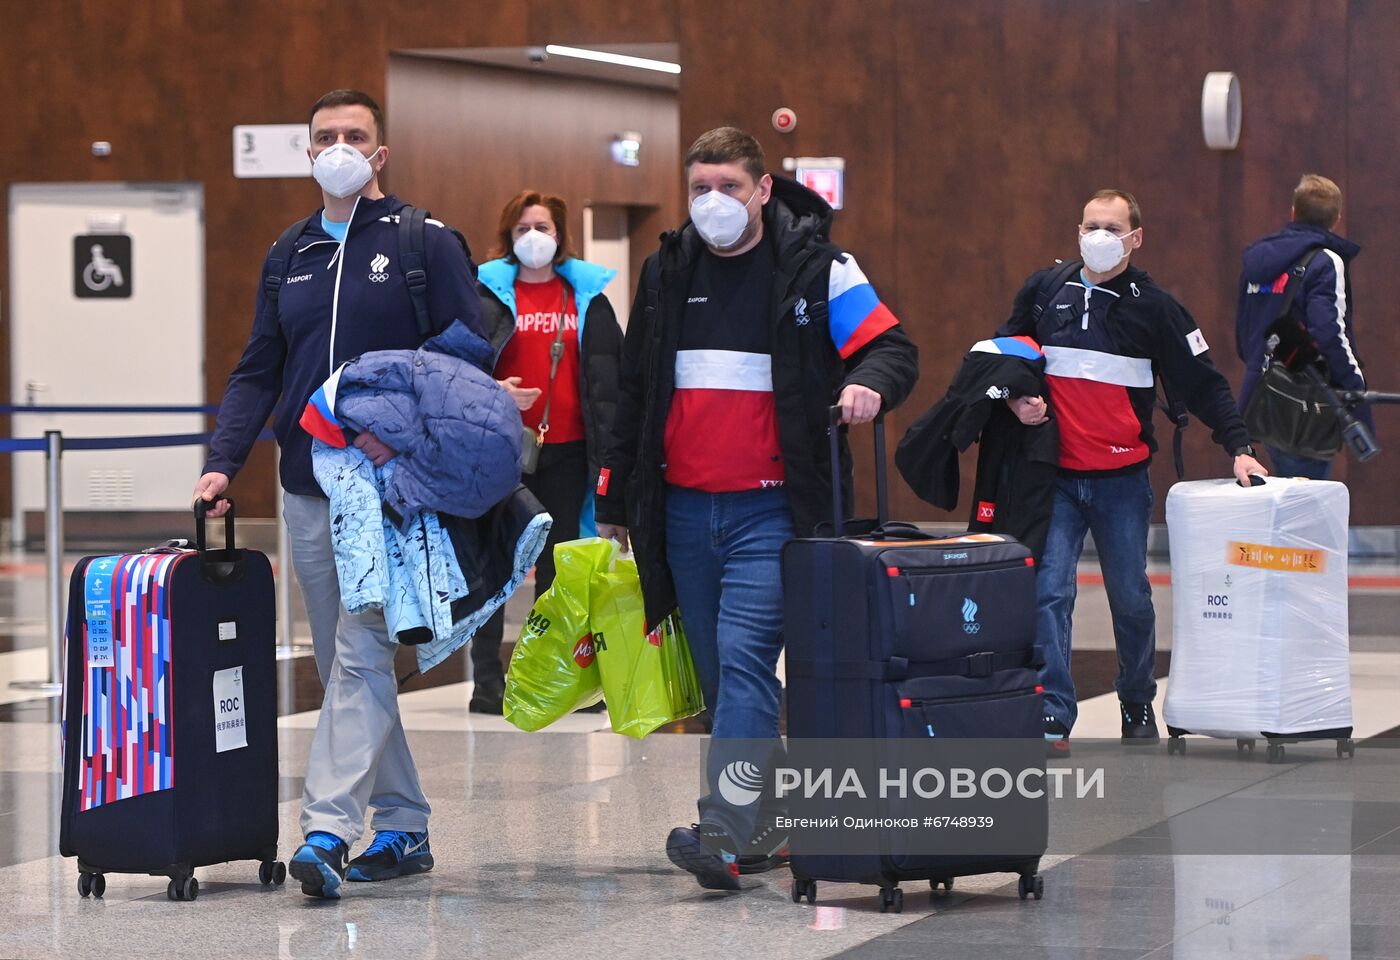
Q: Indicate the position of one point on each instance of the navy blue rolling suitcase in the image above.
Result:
(876, 649)
(170, 714)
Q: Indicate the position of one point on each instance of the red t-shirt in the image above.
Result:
(539, 309)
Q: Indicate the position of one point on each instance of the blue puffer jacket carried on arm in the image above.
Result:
(457, 434)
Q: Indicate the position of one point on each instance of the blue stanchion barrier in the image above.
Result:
(8, 409)
(17, 445)
(25, 444)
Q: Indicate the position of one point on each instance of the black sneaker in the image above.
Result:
(488, 696)
(1139, 723)
(705, 850)
(766, 849)
(319, 864)
(394, 853)
(1056, 739)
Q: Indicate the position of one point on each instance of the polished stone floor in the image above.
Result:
(549, 845)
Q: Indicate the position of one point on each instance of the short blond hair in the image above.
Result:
(1318, 201)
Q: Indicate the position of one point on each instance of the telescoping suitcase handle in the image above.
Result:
(202, 507)
(882, 490)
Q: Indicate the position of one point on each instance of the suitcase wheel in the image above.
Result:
(1275, 754)
(891, 899)
(1244, 745)
(272, 873)
(947, 885)
(91, 884)
(1346, 747)
(1031, 885)
(804, 888)
(183, 888)
(1174, 745)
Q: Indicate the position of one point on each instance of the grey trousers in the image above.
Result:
(359, 755)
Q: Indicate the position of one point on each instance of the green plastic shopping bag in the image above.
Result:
(648, 676)
(554, 669)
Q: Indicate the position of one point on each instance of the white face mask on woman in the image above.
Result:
(1101, 250)
(341, 170)
(535, 248)
(720, 218)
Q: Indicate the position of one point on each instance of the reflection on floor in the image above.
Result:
(550, 845)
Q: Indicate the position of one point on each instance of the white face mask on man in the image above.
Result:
(1101, 250)
(341, 170)
(720, 219)
(535, 249)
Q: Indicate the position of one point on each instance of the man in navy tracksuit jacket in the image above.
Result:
(1323, 300)
(343, 294)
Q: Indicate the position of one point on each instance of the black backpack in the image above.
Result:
(412, 262)
(1172, 406)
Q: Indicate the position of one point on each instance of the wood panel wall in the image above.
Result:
(470, 137)
(973, 132)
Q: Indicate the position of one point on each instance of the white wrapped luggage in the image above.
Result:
(1259, 602)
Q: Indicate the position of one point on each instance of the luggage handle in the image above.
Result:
(882, 492)
(202, 507)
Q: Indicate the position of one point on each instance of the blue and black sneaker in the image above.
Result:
(766, 849)
(319, 864)
(394, 853)
(707, 851)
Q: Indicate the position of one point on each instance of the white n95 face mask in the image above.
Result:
(720, 218)
(535, 249)
(341, 170)
(1101, 250)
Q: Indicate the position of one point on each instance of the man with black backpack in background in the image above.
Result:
(365, 272)
(1108, 332)
(1321, 303)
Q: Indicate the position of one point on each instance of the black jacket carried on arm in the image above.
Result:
(808, 376)
(1016, 464)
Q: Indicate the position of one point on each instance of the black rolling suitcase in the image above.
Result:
(890, 634)
(170, 714)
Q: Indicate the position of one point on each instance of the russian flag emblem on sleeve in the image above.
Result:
(318, 419)
(857, 315)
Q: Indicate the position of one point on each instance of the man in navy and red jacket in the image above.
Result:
(1107, 334)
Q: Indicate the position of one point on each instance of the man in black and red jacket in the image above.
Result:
(1108, 333)
(747, 326)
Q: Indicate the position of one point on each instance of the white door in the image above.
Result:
(605, 242)
(107, 308)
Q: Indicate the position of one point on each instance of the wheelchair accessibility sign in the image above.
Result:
(102, 265)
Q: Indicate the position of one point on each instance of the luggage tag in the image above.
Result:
(97, 604)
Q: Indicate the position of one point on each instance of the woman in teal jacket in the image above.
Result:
(536, 294)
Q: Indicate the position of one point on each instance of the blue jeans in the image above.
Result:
(723, 550)
(1289, 465)
(1117, 511)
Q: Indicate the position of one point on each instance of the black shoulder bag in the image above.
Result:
(1289, 409)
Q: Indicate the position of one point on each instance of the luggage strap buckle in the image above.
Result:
(980, 665)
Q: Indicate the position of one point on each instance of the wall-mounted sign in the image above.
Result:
(824, 176)
(102, 266)
(271, 150)
(627, 149)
